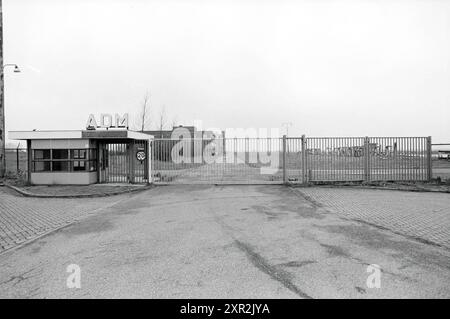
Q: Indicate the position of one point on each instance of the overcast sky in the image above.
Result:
(332, 68)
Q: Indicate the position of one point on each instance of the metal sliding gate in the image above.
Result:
(227, 160)
(290, 160)
(118, 162)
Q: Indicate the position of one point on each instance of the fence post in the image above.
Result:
(147, 161)
(131, 154)
(366, 159)
(247, 151)
(151, 156)
(235, 152)
(304, 166)
(223, 147)
(17, 160)
(284, 159)
(29, 161)
(429, 160)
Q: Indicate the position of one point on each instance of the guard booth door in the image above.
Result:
(123, 162)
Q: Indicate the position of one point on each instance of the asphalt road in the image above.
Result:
(225, 242)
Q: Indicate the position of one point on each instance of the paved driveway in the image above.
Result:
(225, 241)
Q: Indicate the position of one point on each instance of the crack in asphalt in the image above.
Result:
(261, 263)
(19, 278)
(298, 263)
(277, 274)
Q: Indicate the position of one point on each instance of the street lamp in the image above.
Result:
(2, 119)
(16, 67)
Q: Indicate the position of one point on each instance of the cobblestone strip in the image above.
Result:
(23, 218)
(422, 215)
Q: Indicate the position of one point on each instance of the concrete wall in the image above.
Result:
(63, 178)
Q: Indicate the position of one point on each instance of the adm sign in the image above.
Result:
(106, 121)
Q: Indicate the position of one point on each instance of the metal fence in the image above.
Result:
(230, 160)
(275, 160)
(440, 157)
(118, 163)
(368, 159)
(291, 159)
(16, 163)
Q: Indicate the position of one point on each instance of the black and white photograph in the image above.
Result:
(224, 158)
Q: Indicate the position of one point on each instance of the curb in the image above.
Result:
(29, 194)
(418, 190)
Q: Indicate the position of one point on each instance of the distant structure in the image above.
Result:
(163, 144)
(444, 154)
(163, 134)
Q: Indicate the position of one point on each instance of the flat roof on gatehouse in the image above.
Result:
(78, 134)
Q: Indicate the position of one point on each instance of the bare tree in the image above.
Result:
(174, 121)
(144, 115)
(162, 119)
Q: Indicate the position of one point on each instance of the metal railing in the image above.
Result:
(273, 160)
(16, 163)
(440, 157)
(229, 160)
(368, 159)
(118, 162)
(292, 159)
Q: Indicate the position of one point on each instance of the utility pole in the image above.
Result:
(2, 98)
(2, 102)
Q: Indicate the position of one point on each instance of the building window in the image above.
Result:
(58, 154)
(60, 166)
(59, 160)
(79, 154)
(79, 166)
(41, 160)
(42, 154)
(64, 160)
(39, 166)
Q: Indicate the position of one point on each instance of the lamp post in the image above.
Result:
(2, 110)
(16, 67)
(2, 99)
(2, 118)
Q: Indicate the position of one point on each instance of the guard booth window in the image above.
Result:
(64, 160)
(60, 161)
(79, 163)
(41, 162)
